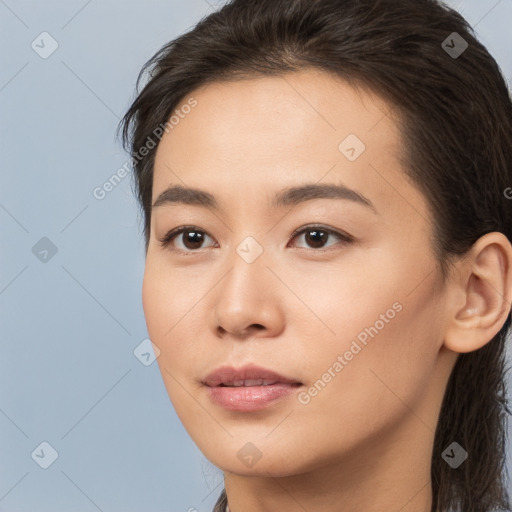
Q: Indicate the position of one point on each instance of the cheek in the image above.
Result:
(167, 321)
(385, 370)
(154, 303)
(163, 300)
(172, 317)
(160, 311)
(383, 350)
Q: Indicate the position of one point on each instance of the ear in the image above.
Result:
(480, 301)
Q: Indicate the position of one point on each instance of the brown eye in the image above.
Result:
(316, 237)
(190, 240)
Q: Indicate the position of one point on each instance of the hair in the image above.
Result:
(455, 118)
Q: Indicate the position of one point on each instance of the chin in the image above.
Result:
(246, 459)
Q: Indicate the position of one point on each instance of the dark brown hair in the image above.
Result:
(455, 118)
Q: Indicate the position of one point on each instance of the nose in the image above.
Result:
(248, 301)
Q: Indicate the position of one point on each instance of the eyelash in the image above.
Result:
(173, 233)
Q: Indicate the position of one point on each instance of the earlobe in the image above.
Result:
(484, 288)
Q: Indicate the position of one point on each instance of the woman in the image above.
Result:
(326, 196)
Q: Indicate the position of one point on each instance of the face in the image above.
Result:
(334, 289)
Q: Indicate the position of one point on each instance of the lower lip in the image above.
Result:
(249, 398)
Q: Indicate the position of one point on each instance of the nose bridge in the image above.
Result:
(250, 250)
(247, 272)
(246, 295)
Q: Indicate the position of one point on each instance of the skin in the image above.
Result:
(364, 442)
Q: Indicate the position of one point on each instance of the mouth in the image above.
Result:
(249, 388)
(249, 375)
(254, 382)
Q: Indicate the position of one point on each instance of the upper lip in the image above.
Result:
(227, 375)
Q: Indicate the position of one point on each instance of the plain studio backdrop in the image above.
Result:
(74, 369)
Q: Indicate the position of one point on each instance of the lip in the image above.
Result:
(247, 398)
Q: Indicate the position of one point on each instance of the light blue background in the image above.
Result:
(68, 374)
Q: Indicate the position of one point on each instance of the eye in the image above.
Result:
(317, 236)
(192, 238)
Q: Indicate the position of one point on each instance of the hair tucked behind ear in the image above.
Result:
(455, 117)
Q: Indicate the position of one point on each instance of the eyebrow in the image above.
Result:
(288, 197)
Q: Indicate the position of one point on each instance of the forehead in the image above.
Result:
(271, 132)
(310, 105)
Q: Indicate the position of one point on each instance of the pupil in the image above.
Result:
(192, 237)
(318, 239)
